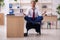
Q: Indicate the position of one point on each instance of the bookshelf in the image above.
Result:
(43, 5)
(48, 3)
(15, 8)
(25, 4)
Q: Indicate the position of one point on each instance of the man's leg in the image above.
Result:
(29, 19)
(39, 19)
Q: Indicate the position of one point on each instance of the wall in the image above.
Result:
(5, 9)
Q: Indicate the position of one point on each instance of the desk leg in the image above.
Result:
(50, 26)
(56, 24)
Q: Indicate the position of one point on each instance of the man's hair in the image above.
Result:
(33, 1)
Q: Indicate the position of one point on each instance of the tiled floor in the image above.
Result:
(47, 34)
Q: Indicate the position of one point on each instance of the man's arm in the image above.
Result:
(41, 14)
(26, 13)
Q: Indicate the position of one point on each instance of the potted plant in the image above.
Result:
(15, 0)
(36, 0)
(58, 11)
(1, 3)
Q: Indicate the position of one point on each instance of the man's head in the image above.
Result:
(33, 3)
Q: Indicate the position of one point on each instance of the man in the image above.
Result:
(33, 15)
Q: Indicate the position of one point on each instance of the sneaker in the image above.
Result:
(38, 33)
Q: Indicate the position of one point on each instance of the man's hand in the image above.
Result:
(24, 14)
(44, 13)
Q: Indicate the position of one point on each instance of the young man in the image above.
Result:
(33, 15)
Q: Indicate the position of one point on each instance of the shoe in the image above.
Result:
(38, 33)
(25, 34)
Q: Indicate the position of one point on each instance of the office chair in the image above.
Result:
(36, 26)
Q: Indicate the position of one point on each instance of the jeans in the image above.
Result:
(30, 19)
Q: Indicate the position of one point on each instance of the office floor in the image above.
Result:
(47, 34)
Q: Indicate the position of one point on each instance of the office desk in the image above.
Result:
(1, 19)
(50, 19)
(15, 26)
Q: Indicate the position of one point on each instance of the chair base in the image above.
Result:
(37, 27)
(25, 34)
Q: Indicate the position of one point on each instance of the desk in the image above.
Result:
(1, 19)
(15, 26)
(50, 19)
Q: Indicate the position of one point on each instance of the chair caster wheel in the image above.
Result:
(25, 34)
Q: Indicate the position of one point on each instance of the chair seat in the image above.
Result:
(31, 26)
